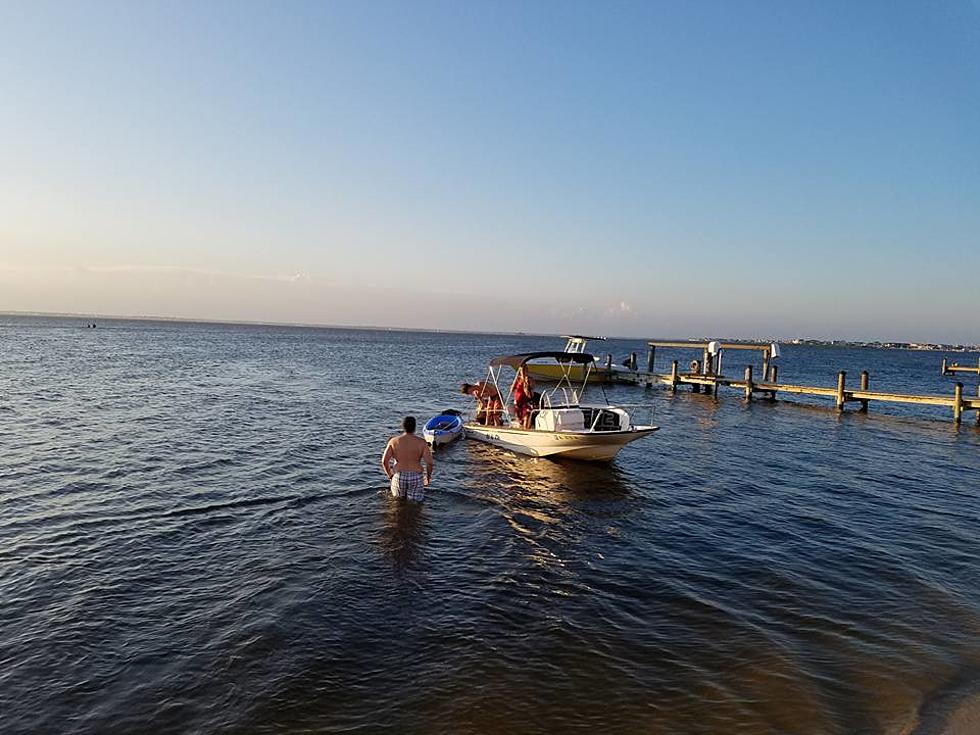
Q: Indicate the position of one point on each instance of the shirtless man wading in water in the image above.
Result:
(408, 451)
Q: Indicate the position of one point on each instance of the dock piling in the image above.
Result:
(748, 382)
(774, 372)
(839, 398)
(673, 375)
(651, 351)
(944, 368)
(865, 380)
(957, 403)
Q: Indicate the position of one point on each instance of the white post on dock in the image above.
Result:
(841, 376)
(650, 353)
(748, 382)
(865, 378)
(944, 371)
(673, 375)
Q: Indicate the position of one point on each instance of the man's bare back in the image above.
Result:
(408, 451)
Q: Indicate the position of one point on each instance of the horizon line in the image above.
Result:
(436, 330)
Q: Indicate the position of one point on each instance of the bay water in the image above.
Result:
(195, 537)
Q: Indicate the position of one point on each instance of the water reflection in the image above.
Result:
(403, 535)
(555, 482)
(551, 506)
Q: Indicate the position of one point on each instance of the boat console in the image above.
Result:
(582, 418)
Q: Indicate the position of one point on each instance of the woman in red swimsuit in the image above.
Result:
(523, 398)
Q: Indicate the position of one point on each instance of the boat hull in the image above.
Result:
(438, 436)
(590, 446)
(438, 440)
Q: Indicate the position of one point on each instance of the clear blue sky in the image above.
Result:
(675, 168)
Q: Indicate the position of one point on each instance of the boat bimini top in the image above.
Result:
(516, 361)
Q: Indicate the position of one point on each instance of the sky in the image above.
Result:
(758, 168)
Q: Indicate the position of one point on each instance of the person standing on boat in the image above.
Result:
(489, 406)
(408, 452)
(523, 397)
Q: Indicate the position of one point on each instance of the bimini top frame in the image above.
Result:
(567, 360)
(577, 342)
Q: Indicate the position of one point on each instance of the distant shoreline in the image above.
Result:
(249, 323)
(911, 346)
(794, 341)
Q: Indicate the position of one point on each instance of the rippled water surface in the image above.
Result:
(194, 537)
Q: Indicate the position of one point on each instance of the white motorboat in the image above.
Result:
(577, 343)
(563, 426)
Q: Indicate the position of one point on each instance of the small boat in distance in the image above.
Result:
(442, 429)
(576, 344)
(563, 426)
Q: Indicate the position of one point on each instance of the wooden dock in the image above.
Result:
(956, 368)
(704, 376)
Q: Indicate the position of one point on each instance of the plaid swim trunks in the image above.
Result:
(409, 485)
